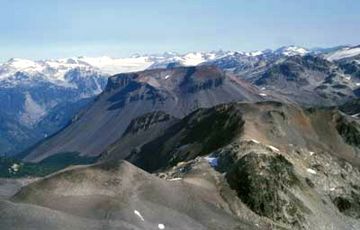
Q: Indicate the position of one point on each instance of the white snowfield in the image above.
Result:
(292, 50)
(255, 53)
(197, 58)
(112, 66)
(343, 53)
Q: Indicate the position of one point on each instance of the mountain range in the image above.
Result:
(305, 80)
(32, 108)
(38, 98)
(206, 140)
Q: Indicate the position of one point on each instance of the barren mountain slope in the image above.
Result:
(119, 194)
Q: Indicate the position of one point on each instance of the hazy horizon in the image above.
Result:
(57, 29)
(168, 51)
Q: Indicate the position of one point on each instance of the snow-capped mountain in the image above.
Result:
(26, 72)
(54, 70)
(37, 98)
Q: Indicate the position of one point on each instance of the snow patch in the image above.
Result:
(312, 171)
(347, 78)
(15, 167)
(161, 226)
(255, 141)
(273, 148)
(175, 179)
(263, 94)
(136, 212)
(213, 161)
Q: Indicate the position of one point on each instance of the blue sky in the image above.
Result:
(52, 28)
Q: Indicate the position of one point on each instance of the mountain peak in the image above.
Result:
(20, 63)
(291, 51)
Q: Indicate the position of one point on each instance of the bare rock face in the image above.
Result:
(197, 134)
(349, 131)
(146, 121)
(263, 182)
(349, 204)
(140, 131)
